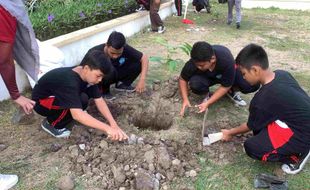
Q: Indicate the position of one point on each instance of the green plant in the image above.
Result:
(170, 51)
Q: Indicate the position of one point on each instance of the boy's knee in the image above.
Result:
(249, 148)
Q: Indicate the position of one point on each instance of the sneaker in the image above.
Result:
(238, 25)
(7, 181)
(297, 167)
(161, 29)
(124, 88)
(108, 96)
(141, 8)
(58, 133)
(229, 22)
(235, 96)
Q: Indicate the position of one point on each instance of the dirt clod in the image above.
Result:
(65, 183)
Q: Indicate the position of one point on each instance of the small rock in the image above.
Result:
(176, 162)
(149, 156)
(156, 184)
(82, 146)
(2, 147)
(170, 175)
(222, 155)
(158, 176)
(144, 180)
(151, 167)
(122, 188)
(126, 168)
(74, 151)
(132, 139)
(54, 147)
(65, 183)
(140, 140)
(119, 176)
(103, 144)
(191, 173)
(163, 158)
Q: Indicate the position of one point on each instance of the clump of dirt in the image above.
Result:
(145, 161)
(144, 164)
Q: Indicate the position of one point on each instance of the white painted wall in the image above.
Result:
(75, 45)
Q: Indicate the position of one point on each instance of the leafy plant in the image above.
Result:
(170, 50)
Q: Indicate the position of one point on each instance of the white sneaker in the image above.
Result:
(7, 181)
(235, 96)
(296, 168)
(161, 29)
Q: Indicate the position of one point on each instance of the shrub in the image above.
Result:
(51, 18)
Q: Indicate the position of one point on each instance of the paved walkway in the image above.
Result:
(282, 4)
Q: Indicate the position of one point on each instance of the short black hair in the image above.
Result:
(96, 59)
(252, 54)
(201, 51)
(117, 40)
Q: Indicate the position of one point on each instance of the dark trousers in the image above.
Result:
(154, 16)
(127, 73)
(178, 7)
(200, 84)
(57, 117)
(273, 144)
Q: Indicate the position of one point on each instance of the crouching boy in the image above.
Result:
(62, 94)
(279, 114)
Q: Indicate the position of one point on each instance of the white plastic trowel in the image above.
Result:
(209, 138)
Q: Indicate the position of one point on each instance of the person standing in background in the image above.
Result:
(237, 4)
(17, 41)
(157, 24)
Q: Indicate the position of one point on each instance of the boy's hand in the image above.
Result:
(25, 103)
(116, 134)
(202, 107)
(184, 106)
(140, 86)
(226, 135)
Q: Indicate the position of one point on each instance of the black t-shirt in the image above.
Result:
(66, 86)
(282, 99)
(224, 70)
(128, 56)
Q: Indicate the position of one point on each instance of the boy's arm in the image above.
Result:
(144, 67)
(229, 133)
(184, 93)
(221, 91)
(86, 119)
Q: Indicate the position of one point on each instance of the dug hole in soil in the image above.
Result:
(145, 161)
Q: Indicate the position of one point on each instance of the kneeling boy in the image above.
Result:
(62, 94)
(279, 114)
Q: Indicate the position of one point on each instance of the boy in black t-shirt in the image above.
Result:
(211, 65)
(62, 94)
(279, 114)
(128, 63)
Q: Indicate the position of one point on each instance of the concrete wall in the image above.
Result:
(74, 45)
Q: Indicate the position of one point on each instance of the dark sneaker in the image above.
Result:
(238, 25)
(58, 133)
(108, 96)
(229, 22)
(161, 29)
(297, 167)
(235, 96)
(141, 8)
(124, 88)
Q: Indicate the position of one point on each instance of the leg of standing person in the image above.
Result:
(157, 24)
(238, 13)
(230, 4)
(207, 5)
(178, 7)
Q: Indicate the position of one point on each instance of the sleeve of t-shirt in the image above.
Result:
(188, 70)
(259, 119)
(132, 53)
(93, 92)
(228, 76)
(68, 97)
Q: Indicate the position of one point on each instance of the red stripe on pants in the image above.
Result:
(62, 115)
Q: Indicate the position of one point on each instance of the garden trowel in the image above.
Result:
(207, 137)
